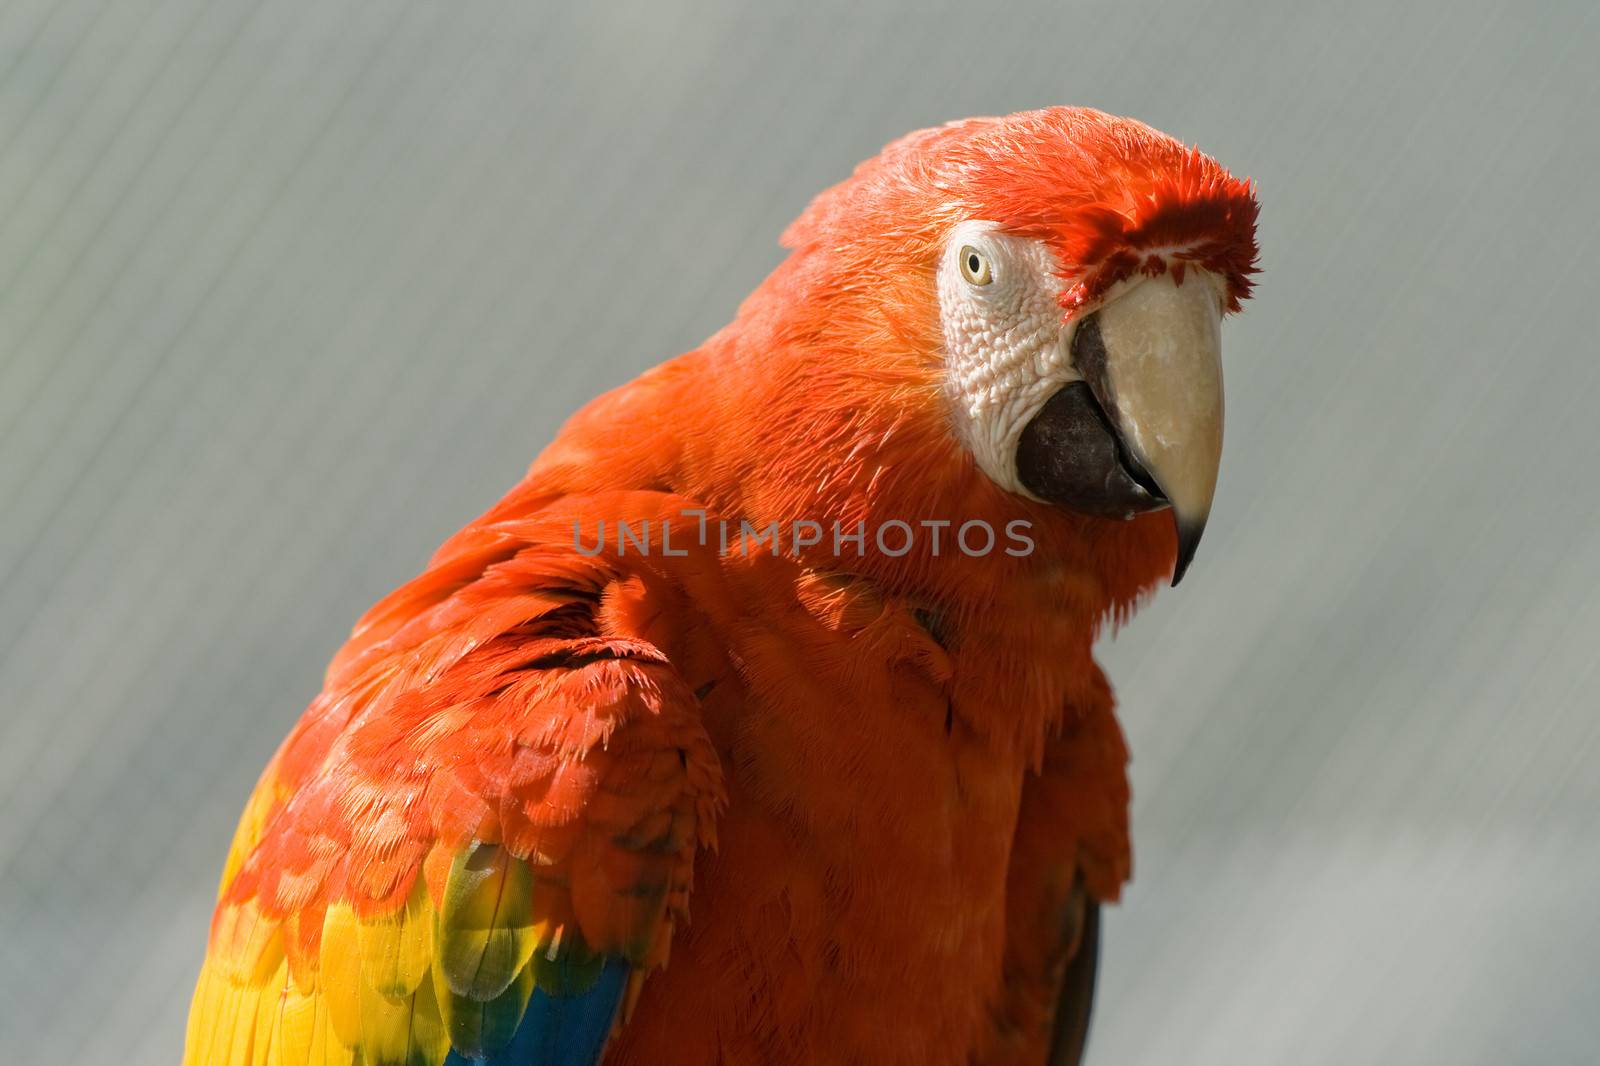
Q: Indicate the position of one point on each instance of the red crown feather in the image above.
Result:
(1114, 198)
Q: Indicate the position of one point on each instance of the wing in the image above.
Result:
(477, 841)
(1070, 853)
(1070, 1032)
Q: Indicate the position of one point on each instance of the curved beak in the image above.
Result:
(1159, 380)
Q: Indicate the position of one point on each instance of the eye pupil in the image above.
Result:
(975, 266)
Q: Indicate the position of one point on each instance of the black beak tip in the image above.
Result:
(1188, 541)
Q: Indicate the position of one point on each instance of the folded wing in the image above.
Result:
(477, 841)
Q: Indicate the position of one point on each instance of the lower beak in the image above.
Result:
(1143, 428)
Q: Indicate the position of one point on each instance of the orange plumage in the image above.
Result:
(886, 785)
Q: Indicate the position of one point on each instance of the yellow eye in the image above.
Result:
(975, 266)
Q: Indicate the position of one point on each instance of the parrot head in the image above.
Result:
(1006, 320)
(1050, 286)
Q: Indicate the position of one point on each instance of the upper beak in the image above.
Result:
(1159, 380)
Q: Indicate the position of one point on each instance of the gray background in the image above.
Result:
(290, 291)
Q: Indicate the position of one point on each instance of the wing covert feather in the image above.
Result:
(480, 829)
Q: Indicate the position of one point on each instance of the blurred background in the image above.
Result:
(290, 290)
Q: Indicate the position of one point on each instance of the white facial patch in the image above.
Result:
(1006, 349)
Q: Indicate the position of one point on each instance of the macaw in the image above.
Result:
(796, 628)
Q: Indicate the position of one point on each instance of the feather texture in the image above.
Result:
(495, 822)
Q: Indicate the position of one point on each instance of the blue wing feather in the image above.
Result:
(562, 1030)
